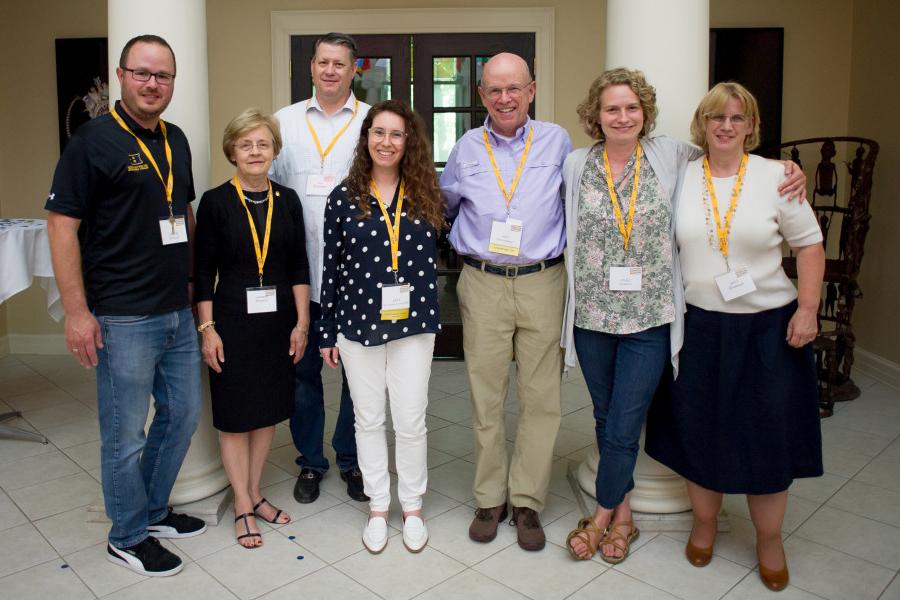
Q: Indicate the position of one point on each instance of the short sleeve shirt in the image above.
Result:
(357, 264)
(599, 246)
(105, 180)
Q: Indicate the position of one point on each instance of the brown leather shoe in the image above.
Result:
(699, 557)
(528, 527)
(775, 580)
(484, 526)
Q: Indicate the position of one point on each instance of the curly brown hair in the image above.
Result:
(589, 109)
(423, 194)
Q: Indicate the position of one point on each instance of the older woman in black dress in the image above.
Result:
(250, 235)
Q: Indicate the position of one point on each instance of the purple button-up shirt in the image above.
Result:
(474, 197)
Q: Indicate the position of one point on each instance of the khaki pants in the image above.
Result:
(501, 317)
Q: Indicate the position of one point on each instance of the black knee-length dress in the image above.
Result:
(256, 386)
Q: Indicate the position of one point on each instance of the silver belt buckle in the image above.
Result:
(514, 269)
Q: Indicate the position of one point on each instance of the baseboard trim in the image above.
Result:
(25, 343)
(877, 367)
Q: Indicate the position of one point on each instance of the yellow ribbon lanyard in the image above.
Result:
(724, 229)
(167, 183)
(507, 195)
(260, 254)
(624, 228)
(337, 136)
(393, 231)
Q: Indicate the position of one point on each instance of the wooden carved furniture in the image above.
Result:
(842, 207)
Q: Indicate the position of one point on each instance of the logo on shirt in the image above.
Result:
(136, 162)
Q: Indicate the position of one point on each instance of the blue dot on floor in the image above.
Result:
(64, 566)
(299, 557)
(292, 537)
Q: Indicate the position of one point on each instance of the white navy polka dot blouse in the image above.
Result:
(357, 263)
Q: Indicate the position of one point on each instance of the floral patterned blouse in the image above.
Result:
(599, 246)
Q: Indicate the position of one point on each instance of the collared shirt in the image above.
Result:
(358, 265)
(474, 197)
(299, 159)
(104, 179)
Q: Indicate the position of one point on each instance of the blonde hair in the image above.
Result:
(248, 120)
(714, 102)
(589, 109)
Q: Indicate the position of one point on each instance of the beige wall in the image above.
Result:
(819, 36)
(874, 101)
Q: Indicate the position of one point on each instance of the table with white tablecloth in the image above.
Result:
(24, 256)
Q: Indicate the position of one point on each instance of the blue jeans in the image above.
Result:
(146, 354)
(308, 421)
(622, 373)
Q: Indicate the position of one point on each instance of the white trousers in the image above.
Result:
(402, 369)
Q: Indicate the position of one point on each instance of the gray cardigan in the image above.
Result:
(668, 158)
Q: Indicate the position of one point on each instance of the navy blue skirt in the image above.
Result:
(743, 415)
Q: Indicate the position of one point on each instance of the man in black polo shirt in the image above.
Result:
(119, 225)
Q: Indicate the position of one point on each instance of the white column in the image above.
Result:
(669, 42)
(182, 23)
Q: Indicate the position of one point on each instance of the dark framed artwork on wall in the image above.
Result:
(82, 87)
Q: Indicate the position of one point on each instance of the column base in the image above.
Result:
(209, 509)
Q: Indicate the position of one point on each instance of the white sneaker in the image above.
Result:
(375, 535)
(415, 534)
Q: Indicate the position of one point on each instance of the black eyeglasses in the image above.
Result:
(143, 75)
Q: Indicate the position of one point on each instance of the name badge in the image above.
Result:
(321, 184)
(173, 232)
(261, 300)
(625, 279)
(735, 283)
(506, 237)
(394, 302)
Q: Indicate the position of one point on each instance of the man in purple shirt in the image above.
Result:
(503, 184)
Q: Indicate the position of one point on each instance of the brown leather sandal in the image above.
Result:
(278, 513)
(248, 534)
(619, 540)
(583, 532)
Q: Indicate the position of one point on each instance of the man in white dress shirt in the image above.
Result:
(320, 135)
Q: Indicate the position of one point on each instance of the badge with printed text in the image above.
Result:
(625, 279)
(394, 302)
(261, 300)
(506, 237)
(735, 283)
(320, 184)
(173, 230)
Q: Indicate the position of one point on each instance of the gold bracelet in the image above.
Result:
(205, 325)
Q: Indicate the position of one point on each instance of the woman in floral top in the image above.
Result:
(625, 294)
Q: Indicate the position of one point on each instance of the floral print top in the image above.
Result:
(599, 246)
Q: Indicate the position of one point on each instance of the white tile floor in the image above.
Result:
(842, 531)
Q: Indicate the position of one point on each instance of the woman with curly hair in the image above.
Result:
(379, 305)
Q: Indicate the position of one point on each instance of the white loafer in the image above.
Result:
(415, 534)
(375, 535)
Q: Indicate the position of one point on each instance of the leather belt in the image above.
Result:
(511, 270)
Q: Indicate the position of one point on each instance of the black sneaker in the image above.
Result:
(306, 489)
(147, 558)
(175, 525)
(354, 484)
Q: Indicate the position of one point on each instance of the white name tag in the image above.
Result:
(320, 185)
(625, 279)
(173, 232)
(506, 237)
(261, 300)
(394, 302)
(735, 284)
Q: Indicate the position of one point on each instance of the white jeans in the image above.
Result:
(401, 368)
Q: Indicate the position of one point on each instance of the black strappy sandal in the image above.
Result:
(278, 513)
(248, 534)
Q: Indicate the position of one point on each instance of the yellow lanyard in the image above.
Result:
(167, 183)
(624, 228)
(260, 254)
(393, 232)
(512, 189)
(724, 229)
(312, 131)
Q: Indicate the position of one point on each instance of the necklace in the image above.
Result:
(252, 201)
